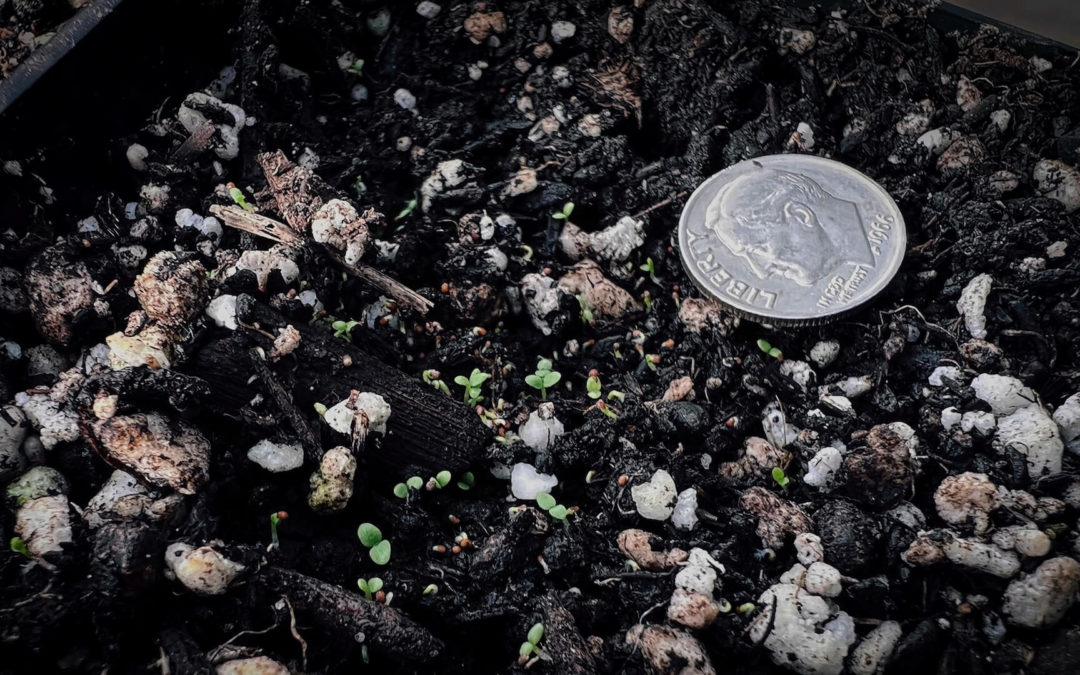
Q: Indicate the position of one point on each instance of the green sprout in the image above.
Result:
(431, 377)
(615, 394)
(275, 519)
(431, 589)
(410, 206)
(606, 409)
(472, 385)
(371, 537)
(19, 546)
(413, 484)
(650, 267)
(543, 378)
(531, 646)
(567, 209)
(370, 587)
(587, 315)
(780, 477)
(356, 67)
(528, 251)
(238, 196)
(646, 298)
(439, 481)
(359, 185)
(554, 509)
(468, 480)
(320, 409)
(764, 346)
(592, 385)
(342, 329)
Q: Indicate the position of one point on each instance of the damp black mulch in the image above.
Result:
(695, 87)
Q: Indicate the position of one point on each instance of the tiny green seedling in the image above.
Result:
(468, 480)
(439, 481)
(564, 215)
(528, 251)
(431, 377)
(472, 385)
(372, 539)
(370, 587)
(543, 378)
(531, 646)
(616, 395)
(646, 298)
(19, 546)
(553, 508)
(431, 589)
(780, 477)
(357, 67)
(413, 484)
(606, 409)
(359, 185)
(650, 267)
(592, 385)
(320, 409)
(343, 329)
(275, 520)
(237, 196)
(410, 206)
(587, 315)
(764, 346)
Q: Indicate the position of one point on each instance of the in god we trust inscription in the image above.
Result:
(791, 239)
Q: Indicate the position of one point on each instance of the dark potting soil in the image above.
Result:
(624, 117)
(25, 25)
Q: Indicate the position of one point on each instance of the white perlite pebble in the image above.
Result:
(428, 9)
(800, 373)
(277, 457)
(871, 655)
(936, 140)
(982, 423)
(808, 548)
(697, 577)
(222, 311)
(616, 243)
(1042, 598)
(1001, 119)
(983, 557)
(950, 417)
(1058, 180)
(853, 387)
(342, 415)
(655, 500)
(937, 378)
(405, 99)
(1067, 417)
(562, 31)
(1057, 249)
(1034, 434)
(123, 497)
(777, 430)
(684, 517)
(967, 497)
(824, 353)
(44, 524)
(54, 422)
(803, 638)
(201, 570)
(822, 579)
(448, 174)
(541, 429)
(821, 471)
(136, 156)
(331, 487)
(256, 665)
(972, 304)
(526, 482)
(1005, 394)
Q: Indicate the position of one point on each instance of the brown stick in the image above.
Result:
(312, 448)
(268, 228)
(352, 618)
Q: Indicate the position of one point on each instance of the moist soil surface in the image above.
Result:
(623, 117)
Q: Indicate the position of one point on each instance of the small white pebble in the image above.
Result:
(562, 31)
(405, 99)
(428, 9)
(526, 482)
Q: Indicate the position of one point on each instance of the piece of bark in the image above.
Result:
(299, 192)
(562, 639)
(268, 228)
(426, 427)
(313, 451)
(180, 654)
(347, 615)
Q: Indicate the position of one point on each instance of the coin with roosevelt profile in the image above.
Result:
(791, 239)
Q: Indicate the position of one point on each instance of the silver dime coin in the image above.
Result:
(791, 239)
